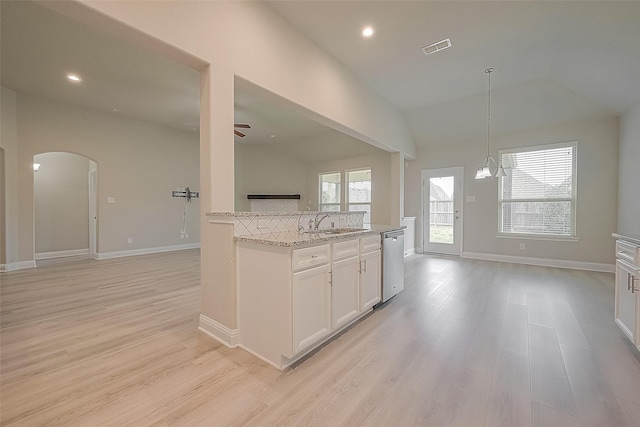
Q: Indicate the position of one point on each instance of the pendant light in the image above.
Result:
(490, 168)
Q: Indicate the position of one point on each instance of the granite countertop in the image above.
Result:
(631, 238)
(294, 239)
(275, 213)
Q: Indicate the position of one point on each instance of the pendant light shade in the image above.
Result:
(490, 168)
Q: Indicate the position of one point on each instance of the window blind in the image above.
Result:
(538, 195)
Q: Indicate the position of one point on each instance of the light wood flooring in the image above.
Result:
(468, 343)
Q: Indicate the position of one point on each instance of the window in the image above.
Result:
(359, 192)
(330, 185)
(538, 195)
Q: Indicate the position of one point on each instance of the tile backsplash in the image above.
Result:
(254, 223)
(274, 205)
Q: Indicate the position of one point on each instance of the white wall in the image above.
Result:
(263, 170)
(139, 164)
(9, 175)
(596, 198)
(629, 173)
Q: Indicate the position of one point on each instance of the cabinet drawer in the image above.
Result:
(370, 244)
(342, 250)
(309, 257)
(628, 252)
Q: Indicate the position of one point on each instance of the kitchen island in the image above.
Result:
(296, 290)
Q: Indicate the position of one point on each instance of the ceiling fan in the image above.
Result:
(241, 126)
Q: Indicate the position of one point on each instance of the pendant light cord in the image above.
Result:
(489, 71)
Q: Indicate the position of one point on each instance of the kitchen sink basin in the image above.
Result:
(341, 230)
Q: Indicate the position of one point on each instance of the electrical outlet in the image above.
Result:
(130, 240)
(522, 246)
(186, 236)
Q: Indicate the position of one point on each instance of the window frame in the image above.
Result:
(572, 199)
(344, 204)
(341, 185)
(348, 203)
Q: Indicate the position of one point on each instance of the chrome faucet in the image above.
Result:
(318, 221)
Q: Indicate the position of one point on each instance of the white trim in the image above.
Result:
(61, 254)
(264, 359)
(544, 262)
(219, 332)
(409, 252)
(550, 238)
(458, 175)
(20, 265)
(146, 251)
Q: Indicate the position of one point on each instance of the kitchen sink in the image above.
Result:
(341, 230)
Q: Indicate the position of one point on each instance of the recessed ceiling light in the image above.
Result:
(272, 136)
(115, 110)
(437, 46)
(368, 31)
(73, 77)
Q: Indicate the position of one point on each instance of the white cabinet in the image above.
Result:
(345, 270)
(345, 302)
(311, 306)
(370, 285)
(291, 300)
(370, 272)
(627, 291)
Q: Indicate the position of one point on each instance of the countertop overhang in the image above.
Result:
(293, 239)
(631, 238)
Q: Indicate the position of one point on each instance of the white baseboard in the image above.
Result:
(62, 254)
(146, 251)
(544, 262)
(218, 331)
(20, 265)
(409, 252)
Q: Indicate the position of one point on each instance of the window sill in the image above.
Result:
(537, 237)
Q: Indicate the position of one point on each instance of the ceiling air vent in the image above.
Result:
(437, 46)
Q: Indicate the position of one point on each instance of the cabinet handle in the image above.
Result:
(330, 278)
(628, 281)
(365, 265)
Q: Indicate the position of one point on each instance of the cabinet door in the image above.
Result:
(311, 306)
(370, 280)
(627, 301)
(344, 291)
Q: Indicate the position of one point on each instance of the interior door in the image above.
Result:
(441, 210)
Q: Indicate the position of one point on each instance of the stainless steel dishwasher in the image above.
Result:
(392, 263)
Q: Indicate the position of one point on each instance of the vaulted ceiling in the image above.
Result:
(554, 62)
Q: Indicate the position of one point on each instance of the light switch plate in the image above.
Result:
(471, 198)
(111, 199)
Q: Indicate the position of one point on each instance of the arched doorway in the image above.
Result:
(65, 206)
